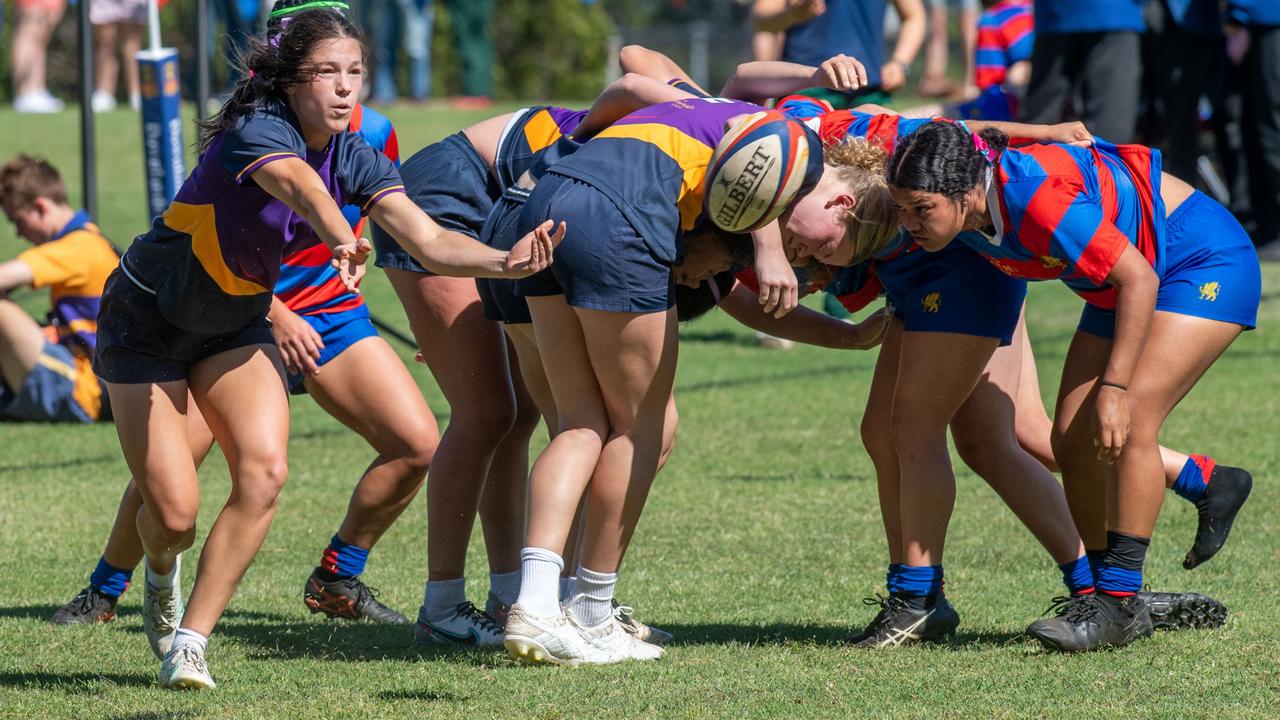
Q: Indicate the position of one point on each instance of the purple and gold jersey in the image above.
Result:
(214, 257)
(651, 164)
(535, 136)
(1067, 213)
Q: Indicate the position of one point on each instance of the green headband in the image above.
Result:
(312, 5)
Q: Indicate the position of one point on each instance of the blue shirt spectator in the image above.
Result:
(1062, 17)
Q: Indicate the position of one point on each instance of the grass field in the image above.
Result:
(760, 539)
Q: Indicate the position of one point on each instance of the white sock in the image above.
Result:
(592, 602)
(156, 580)
(567, 583)
(539, 581)
(189, 637)
(440, 597)
(505, 586)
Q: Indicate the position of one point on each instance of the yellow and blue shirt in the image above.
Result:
(75, 266)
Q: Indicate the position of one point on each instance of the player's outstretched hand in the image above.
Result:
(841, 73)
(533, 253)
(1072, 133)
(1111, 422)
(870, 332)
(299, 343)
(349, 259)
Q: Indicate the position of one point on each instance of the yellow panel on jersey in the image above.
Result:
(691, 154)
(198, 222)
(541, 130)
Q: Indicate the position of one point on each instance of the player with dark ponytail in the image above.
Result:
(187, 310)
(1169, 279)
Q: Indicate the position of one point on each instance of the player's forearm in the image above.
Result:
(317, 207)
(624, 96)
(1136, 288)
(912, 32)
(766, 79)
(441, 251)
(802, 325)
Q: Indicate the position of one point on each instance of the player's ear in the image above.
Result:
(842, 200)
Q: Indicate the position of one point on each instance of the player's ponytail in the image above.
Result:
(872, 221)
(271, 66)
(943, 157)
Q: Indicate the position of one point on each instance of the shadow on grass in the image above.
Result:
(420, 696)
(59, 465)
(832, 635)
(158, 715)
(339, 641)
(723, 337)
(29, 612)
(772, 634)
(72, 681)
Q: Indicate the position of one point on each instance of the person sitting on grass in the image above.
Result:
(46, 372)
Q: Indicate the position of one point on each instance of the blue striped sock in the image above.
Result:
(1194, 478)
(344, 559)
(919, 581)
(110, 580)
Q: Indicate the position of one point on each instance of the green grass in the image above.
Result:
(759, 542)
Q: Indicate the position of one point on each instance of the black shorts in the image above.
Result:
(450, 182)
(603, 262)
(137, 345)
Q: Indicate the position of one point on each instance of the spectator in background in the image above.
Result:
(813, 30)
(1255, 25)
(46, 373)
(937, 49)
(31, 34)
(1002, 65)
(1087, 52)
(117, 36)
(1183, 46)
(402, 25)
(471, 23)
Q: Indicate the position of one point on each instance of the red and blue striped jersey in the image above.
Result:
(1006, 32)
(1067, 213)
(308, 284)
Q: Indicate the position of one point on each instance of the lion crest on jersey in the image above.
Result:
(1209, 291)
(932, 302)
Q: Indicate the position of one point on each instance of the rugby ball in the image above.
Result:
(761, 165)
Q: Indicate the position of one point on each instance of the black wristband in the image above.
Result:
(1108, 383)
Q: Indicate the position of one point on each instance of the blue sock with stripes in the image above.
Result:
(1121, 573)
(1194, 478)
(342, 559)
(919, 581)
(110, 580)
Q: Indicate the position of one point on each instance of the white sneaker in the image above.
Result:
(466, 626)
(551, 639)
(37, 102)
(185, 669)
(610, 639)
(162, 608)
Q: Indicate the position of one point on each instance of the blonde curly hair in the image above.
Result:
(872, 222)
